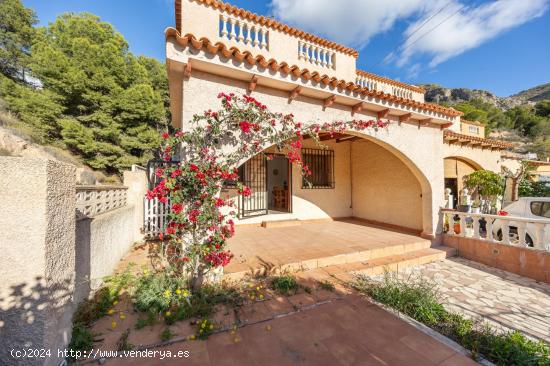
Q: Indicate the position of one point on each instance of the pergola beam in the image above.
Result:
(405, 117)
(187, 69)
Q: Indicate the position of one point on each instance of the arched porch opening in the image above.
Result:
(455, 169)
(354, 175)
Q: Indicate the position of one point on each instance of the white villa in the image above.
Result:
(395, 177)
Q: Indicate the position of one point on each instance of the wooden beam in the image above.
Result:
(253, 83)
(327, 136)
(348, 138)
(187, 70)
(405, 117)
(329, 101)
(383, 113)
(357, 108)
(294, 93)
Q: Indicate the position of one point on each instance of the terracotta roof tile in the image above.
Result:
(447, 134)
(390, 81)
(285, 68)
(231, 9)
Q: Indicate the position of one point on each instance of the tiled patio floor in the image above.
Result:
(504, 299)
(254, 246)
(350, 331)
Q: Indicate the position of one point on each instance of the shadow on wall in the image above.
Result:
(83, 233)
(25, 318)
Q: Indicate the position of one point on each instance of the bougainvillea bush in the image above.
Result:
(210, 149)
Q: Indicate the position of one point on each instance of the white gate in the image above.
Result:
(155, 217)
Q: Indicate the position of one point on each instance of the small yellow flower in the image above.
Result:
(167, 293)
(122, 316)
(186, 293)
(113, 324)
(145, 271)
(251, 285)
(200, 331)
(178, 291)
(258, 288)
(261, 297)
(211, 326)
(168, 313)
(115, 302)
(191, 337)
(110, 312)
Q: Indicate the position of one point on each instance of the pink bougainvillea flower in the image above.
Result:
(177, 208)
(165, 135)
(245, 126)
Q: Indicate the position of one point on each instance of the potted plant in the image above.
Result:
(486, 185)
(476, 207)
(456, 226)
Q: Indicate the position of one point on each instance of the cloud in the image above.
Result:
(459, 28)
(448, 27)
(353, 22)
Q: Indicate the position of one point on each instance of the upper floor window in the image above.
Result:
(473, 129)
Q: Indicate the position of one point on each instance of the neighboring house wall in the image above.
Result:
(37, 265)
(384, 189)
(418, 148)
(472, 129)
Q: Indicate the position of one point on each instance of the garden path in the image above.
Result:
(505, 300)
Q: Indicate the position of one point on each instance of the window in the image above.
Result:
(540, 208)
(473, 129)
(321, 164)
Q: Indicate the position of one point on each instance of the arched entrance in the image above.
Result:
(455, 169)
(353, 175)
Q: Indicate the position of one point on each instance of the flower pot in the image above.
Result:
(457, 228)
(476, 210)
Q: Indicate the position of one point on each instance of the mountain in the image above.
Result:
(440, 94)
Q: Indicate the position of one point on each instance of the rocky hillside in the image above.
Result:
(439, 94)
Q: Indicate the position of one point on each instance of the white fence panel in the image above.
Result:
(155, 217)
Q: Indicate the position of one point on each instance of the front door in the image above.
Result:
(254, 175)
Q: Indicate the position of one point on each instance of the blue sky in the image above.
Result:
(499, 46)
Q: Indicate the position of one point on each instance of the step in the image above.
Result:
(362, 256)
(391, 263)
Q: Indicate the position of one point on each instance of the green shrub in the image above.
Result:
(157, 292)
(327, 286)
(82, 338)
(285, 284)
(418, 299)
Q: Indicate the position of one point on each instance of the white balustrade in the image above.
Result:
(366, 82)
(241, 31)
(507, 230)
(316, 54)
(94, 200)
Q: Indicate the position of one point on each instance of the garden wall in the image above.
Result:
(101, 241)
(523, 261)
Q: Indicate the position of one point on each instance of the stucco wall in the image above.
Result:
(384, 189)
(101, 242)
(419, 148)
(480, 158)
(37, 264)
